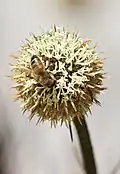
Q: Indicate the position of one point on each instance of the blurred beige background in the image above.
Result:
(40, 149)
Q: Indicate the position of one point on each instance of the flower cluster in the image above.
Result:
(76, 66)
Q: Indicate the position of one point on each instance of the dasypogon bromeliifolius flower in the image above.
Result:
(58, 76)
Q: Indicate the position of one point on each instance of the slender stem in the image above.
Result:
(86, 146)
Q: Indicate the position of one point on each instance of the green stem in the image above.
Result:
(86, 146)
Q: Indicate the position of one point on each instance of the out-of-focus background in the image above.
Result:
(39, 149)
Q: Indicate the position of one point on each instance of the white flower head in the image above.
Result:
(74, 64)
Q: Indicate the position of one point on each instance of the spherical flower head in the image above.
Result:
(58, 76)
